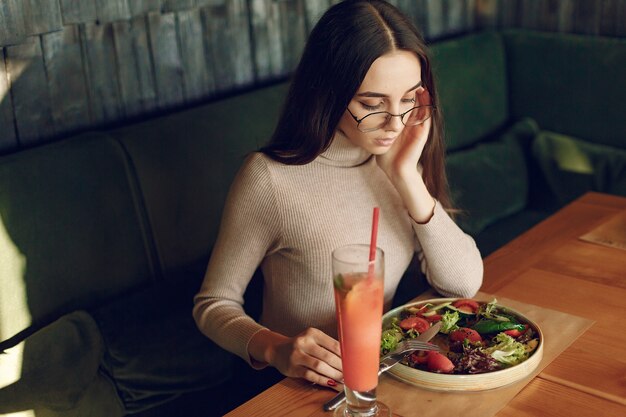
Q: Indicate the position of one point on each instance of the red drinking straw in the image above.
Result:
(370, 270)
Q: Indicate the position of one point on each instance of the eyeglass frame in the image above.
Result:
(401, 116)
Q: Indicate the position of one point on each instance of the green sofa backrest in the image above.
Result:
(471, 80)
(72, 231)
(554, 79)
(185, 163)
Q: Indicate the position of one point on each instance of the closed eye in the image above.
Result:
(371, 108)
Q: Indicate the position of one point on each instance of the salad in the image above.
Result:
(476, 337)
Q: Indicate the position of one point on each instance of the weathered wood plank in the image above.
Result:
(142, 7)
(198, 79)
(167, 62)
(267, 51)
(314, 10)
(238, 19)
(228, 44)
(134, 66)
(78, 11)
(455, 16)
(176, 5)
(416, 11)
(530, 14)
(470, 14)
(29, 91)
(548, 19)
(8, 137)
(66, 79)
(620, 18)
(12, 23)
(487, 12)
(436, 24)
(293, 32)
(613, 18)
(112, 10)
(42, 16)
(217, 45)
(105, 100)
(566, 15)
(587, 17)
(203, 3)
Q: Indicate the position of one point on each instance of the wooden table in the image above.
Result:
(550, 267)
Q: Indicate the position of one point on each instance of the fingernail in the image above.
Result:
(331, 383)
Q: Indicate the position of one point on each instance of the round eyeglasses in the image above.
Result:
(374, 121)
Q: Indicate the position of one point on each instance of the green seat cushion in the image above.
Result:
(569, 84)
(153, 350)
(186, 161)
(490, 181)
(472, 85)
(71, 230)
(58, 372)
(573, 166)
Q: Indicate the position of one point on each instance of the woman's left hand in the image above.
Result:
(401, 160)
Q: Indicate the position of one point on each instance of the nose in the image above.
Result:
(394, 124)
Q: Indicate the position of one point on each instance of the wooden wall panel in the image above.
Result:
(112, 10)
(198, 78)
(167, 63)
(176, 5)
(132, 57)
(29, 90)
(66, 79)
(313, 11)
(42, 16)
(12, 23)
(566, 13)
(142, 7)
(105, 100)
(134, 66)
(293, 32)
(267, 49)
(227, 40)
(238, 23)
(587, 17)
(78, 11)
(8, 137)
(435, 18)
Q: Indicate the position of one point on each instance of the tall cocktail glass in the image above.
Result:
(359, 303)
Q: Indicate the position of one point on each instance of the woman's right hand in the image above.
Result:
(312, 355)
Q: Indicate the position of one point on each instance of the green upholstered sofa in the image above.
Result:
(104, 237)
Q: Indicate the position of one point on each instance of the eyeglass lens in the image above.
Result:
(414, 117)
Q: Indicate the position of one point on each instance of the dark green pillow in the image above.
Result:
(472, 85)
(490, 181)
(573, 166)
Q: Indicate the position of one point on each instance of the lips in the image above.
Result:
(384, 141)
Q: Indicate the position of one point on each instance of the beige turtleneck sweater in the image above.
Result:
(289, 218)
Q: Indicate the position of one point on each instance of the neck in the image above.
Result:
(342, 152)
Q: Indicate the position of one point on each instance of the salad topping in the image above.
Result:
(477, 337)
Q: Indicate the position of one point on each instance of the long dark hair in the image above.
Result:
(342, 46)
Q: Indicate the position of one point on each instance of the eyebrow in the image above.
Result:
(374, 94)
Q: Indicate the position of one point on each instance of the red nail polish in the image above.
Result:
(331, 383)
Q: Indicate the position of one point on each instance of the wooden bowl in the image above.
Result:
(473, 382)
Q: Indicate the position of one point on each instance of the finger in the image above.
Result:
(325, 341)
(322, 380)
(326, 356)
(322, 367)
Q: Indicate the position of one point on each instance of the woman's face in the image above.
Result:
(389, 85)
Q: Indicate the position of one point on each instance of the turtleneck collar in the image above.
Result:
(343, 153)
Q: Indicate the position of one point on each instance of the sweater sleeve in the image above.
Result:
(250, 229)
(448, 257)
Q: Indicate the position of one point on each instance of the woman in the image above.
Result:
(357, 121)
